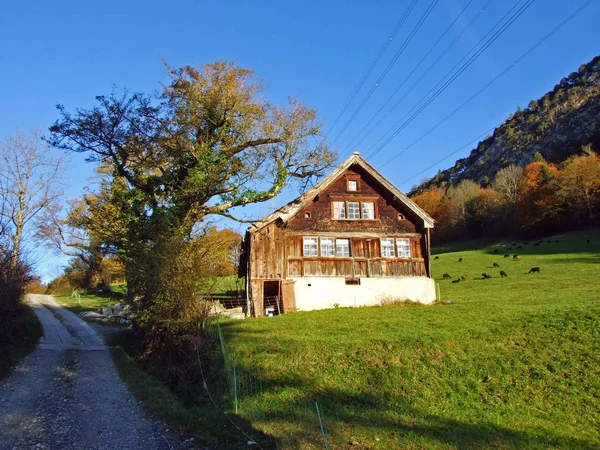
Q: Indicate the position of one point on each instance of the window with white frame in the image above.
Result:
(352, 185)
(342, 247)
(353, 210)
(403, 246)
(327, 247)
(310, 246)
(387, 247)
(339, 210)
(368, 210)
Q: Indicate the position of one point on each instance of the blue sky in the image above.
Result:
(68, 52)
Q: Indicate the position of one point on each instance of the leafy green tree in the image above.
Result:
(212, 142)
(545, 175)
(209, 143)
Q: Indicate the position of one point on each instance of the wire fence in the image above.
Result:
(280, 418)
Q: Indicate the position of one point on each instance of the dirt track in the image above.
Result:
(67, 394)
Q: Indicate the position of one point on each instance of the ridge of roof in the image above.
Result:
(287, 211)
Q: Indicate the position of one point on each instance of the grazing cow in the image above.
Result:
(456, 281)
(486, 276)
(496, 265)
(446, 276)
(556, 241)
(519, 247)
(463, 277)
(459, 259)
(534, 270)
(536, 244)
(506, 256)
(517, 257)
(549, 241)
(503, 274)
(437, 257)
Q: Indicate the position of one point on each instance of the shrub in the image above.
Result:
(389, 300)
(15, 320)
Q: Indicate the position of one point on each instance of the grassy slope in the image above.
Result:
(22, 339)
(513, 363)
(90, 301)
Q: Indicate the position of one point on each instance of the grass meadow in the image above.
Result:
(511, 363)
(92, 299)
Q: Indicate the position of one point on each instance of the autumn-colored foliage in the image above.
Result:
(538, 199)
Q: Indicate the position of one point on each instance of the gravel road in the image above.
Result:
(67, 394)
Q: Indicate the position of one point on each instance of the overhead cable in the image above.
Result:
(493, 80)
(403, 47)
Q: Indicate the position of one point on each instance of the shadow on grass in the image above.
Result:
(213, 427)
(284, 407)
(357, 419)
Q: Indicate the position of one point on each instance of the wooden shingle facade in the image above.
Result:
(353, 239)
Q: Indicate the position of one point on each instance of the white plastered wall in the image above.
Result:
(325, 292)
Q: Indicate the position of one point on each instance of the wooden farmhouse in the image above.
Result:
(351, 240)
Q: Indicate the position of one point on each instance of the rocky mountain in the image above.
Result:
(556, 125)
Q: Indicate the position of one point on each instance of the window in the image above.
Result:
(342, 247)
(368, 210)
(353, 210)
(327, 247)
(339, 210)
(352, 185)
(310, 246)
(403, 246)
(387, 248)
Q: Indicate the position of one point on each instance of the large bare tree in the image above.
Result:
(30, 183)
(507, 183)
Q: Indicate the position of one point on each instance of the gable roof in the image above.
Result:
(286, 212)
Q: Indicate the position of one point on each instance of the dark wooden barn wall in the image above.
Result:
(386, 210)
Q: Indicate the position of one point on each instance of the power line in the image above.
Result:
(423, 75)
(449, 73)
(410, 74)
(388, 68)
(493, 80)
(449, 154)
(371, 67)
(472, 51)
(454, 76)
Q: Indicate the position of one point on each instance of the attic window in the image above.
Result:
(400, 217)
(352, 186)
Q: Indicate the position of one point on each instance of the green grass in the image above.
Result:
(227, 286)
(22, 337)
(511, 363)
(209, 427)
(91, 300)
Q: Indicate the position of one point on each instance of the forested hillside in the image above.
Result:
(556, 125)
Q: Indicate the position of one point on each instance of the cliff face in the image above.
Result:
(556, 125)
